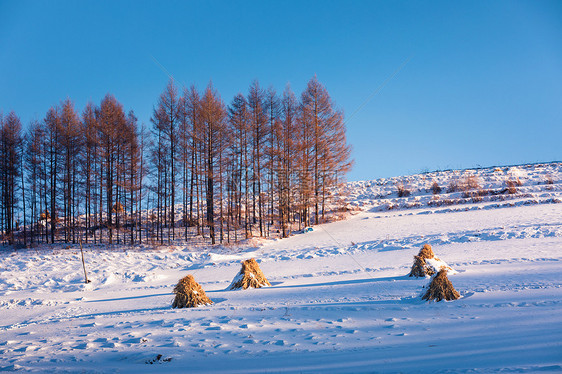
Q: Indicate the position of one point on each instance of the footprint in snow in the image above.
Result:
(159, 359)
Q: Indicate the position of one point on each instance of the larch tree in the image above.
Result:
(53, 165)
(213, 114)
(188, 140)
(10, 169)
(89, 167)
(33, 166)
(132, 170)
(240, 128)
(70, 144)
(169, 104)
(166, 119)
(327, 152)
(111, 124)
(287, 154)
(258, 118)
(272, 109)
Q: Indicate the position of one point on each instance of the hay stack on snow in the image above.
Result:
(189, 294)
(441, 288)
(249, 276)
(426, 264)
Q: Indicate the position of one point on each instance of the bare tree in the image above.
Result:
(240, 148)
(10, 169)
(327, 151)
(111, 127)
(213, 115)
(258, 116)
(33, 166)
(70, 143)
(90, 160)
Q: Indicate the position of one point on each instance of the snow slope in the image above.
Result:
(339, 301)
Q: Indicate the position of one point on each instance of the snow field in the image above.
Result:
(340, 300)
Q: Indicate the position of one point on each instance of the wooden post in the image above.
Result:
(86, 280)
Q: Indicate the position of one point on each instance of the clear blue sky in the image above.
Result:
(483, 86)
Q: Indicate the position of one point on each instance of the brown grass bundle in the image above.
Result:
(249, 276)
(189, 294)
(441, 288)
(420, 268)
(426, 251)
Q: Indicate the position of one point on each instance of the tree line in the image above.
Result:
(264, 165)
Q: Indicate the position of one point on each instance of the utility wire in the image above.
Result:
(379, 88)
(375, 92)
(166, 71)
(347, 253)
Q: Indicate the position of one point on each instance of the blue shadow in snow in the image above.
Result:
(128, 298)
(349, 282)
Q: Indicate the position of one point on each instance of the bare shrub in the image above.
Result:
(482, 192)
(511, 187)
(435, 188)
(415, 204)
(442, 202)
(477, 196)
(403, 191)
(477, 199)
(453, 186)
(471, 183)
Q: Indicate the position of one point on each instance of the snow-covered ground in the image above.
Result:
(340, 299)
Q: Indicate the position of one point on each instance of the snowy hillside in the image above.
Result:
(503, 186)
(340, 300)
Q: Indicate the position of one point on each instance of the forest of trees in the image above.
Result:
(265, 165)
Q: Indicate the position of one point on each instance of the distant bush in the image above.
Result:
(403, 191)
(471, 183)
(435, 188)
(441, 202)
(477, 199)
(511, 189)
(482, 192)
(477, 194)
(453, 186)
(467, 184)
